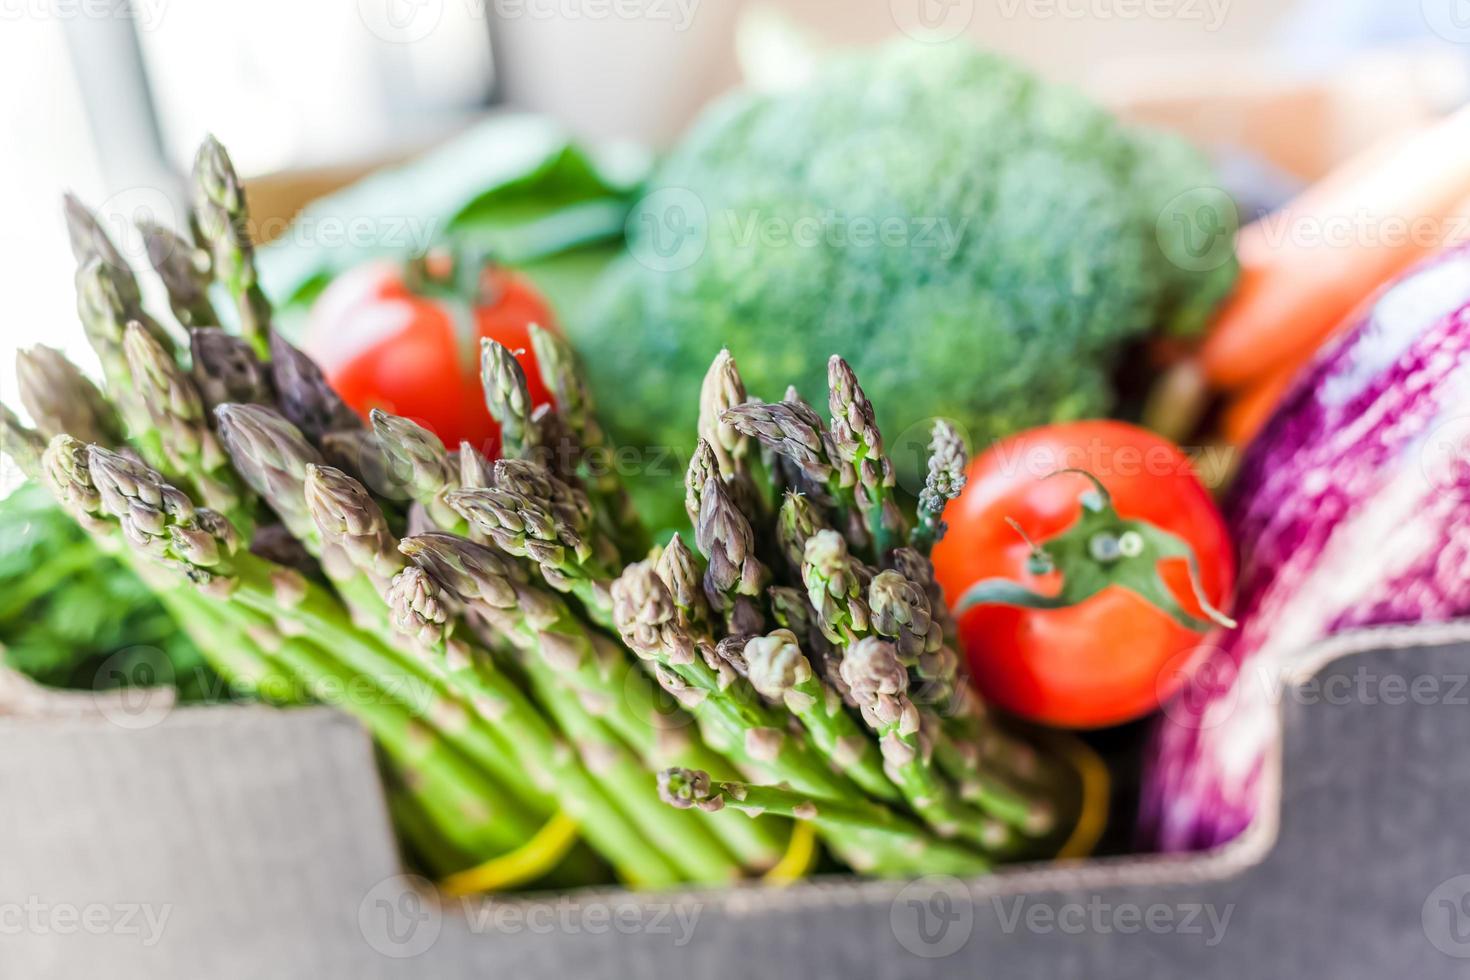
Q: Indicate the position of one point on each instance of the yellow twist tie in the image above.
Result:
(801, 853)
(526, 863)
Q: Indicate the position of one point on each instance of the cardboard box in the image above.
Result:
(139, 840)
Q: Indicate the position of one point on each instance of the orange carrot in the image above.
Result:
(1248, 413)
(1306, 267)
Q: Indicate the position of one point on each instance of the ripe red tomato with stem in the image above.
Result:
(406, 339)
(1086, 563)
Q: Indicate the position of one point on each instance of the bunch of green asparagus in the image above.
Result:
(522, 657)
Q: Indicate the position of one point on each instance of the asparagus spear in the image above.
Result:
(796, 522)
(780, 671)
(22, 444)
(420, 611)
(177, 413)
(721, 390)
(900, 611)
(346, 514)
(185, 271)
(834, 585)
(162, 523)
(275, 459)
(271, 456)
(474, 469)
(857, 442)
(495, 513)
(421, 464)
(225, 369)
(878, 681)
(835, 816)
(794, 432)
(219, 208)
(539, 621)
(508, 399)
(564, 379)
(680, 572)
(60, 399)
(466, 808)
(735, 578)
(530, 513)
(792, 611)
(231, 632)
(104, 312)
(945, 482)
(303, 394)
(90, 244)
(703, 467)
(977, 754)
(735, 721)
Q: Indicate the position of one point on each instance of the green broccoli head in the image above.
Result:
(980, 245)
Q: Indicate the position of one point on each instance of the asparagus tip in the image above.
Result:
(685, 788)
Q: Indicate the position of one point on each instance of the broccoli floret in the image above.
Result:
(1015, 244)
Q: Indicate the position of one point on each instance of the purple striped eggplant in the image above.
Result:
(1351, 509)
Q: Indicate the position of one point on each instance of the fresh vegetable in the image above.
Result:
(980, 244)
(1307, 267)
(1078, 584)
(1349, 510)
(408, 341)
(72, 617)
(514, 186)
(466, 612)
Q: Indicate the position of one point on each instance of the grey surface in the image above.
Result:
(265, 833)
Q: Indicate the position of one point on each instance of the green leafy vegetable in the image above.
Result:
(72, 617)
(981, 245)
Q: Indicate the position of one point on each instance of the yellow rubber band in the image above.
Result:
(1092, 816)
(801, 853)
(552, 842)
(526, 863)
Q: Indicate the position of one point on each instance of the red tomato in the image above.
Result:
(1114, 656)
(416, 353)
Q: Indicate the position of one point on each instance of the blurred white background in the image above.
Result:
(108, 97)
